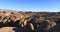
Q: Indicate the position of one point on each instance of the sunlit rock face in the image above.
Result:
(28, 21)
(7, 29)
(11, 29)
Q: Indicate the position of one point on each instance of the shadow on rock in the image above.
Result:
(18, 29)
(55, 28)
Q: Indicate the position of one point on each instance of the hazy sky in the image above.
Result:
(31, 5)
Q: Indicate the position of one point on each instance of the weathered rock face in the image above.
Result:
(28, 21)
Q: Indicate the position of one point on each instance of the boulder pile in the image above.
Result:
(29, 21)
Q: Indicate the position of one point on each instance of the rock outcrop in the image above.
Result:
(28, 21)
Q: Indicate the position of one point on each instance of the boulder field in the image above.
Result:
(29, 21)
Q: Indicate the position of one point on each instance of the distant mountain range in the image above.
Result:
(22, 11)
(8, 10)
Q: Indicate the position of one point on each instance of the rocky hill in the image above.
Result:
(29, 21)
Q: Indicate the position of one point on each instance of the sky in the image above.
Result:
(31, 5)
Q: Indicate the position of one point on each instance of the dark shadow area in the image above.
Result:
(17, 29)
(24, 29)
(57, 20)
(42, 26)
(10, 24)
(1, 24)
(55, 28)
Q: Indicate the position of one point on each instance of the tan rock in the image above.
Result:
(7, 29)
(32, 26)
